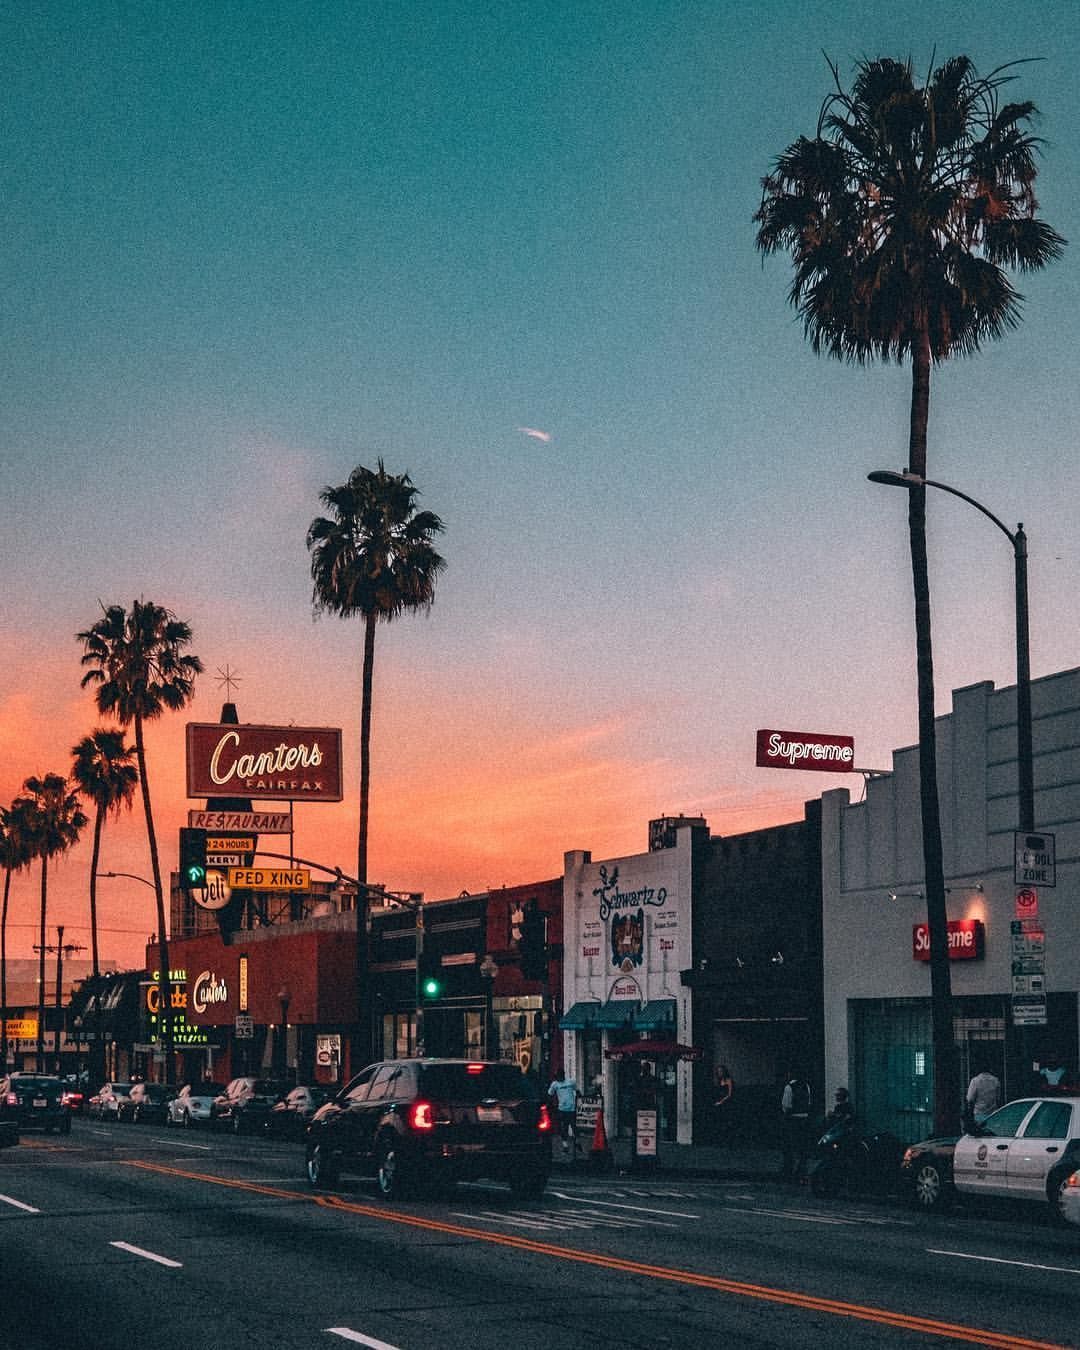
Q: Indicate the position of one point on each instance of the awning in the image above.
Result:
(658, 1012)
(616, 1013)
(579, 1017)
(653, 1050)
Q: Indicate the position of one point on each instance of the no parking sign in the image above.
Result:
(1027, 903)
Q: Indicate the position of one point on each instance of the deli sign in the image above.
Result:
(264, 763)
(966, 940)
(805, 750)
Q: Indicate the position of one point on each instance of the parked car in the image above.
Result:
(290, 1117)
(246, 1102)
(146, 1102)
(1025, 1150)
(74, 1099)
(413, 1123)
(105, 1103)
(33, 1101)
(193, 1105)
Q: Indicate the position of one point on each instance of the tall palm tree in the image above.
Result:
(15, 854)
(55, 821)
(373, 556)
(901, 215)
(139, 669)
(105, 773)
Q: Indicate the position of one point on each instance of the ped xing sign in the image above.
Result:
(270, 878)
(805, 750)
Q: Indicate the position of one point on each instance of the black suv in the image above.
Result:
(416, 1122)
(34, 1100)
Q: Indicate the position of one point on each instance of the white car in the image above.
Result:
(1026, 1150)
(193, 1105)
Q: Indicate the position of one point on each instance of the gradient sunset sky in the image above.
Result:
(248, 246)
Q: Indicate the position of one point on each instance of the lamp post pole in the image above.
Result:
(1018, 539)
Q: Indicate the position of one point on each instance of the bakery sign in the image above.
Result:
(264, 763)
(805, 750)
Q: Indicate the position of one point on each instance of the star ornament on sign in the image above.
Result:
(228, 681)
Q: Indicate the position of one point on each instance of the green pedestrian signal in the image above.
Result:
(431, 980)
(193, 859)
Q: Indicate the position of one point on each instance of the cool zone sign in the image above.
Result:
(966, 940)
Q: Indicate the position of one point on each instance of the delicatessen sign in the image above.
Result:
(264, 763)
(805, 750)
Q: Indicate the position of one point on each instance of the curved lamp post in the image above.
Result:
(1018, 539)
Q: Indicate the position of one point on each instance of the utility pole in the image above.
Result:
(61, 949)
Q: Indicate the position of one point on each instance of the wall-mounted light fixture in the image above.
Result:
(976, 886)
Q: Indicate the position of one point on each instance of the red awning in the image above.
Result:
(653, 1050)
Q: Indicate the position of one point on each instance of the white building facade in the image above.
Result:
(1007, 951)
(627, 937)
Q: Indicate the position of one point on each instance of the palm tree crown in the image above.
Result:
(137, 664)
(902, 213)
(375, 555)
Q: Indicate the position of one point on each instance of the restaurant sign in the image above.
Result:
(805, 750)
(264, 763)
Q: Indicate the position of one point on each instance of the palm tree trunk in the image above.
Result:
(40, 1063)
(164, 983)
(363, 999)
(945, 1068)
(98, 1057)
(3, 971)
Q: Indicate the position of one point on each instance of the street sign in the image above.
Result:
(270, 878)
(230, 843)
(245, 1026)
(1033, 926)
(1027, 903)
(1031, 943)
(1029, 1010)
(1029, 984)
(224, 859)
(1036, 863)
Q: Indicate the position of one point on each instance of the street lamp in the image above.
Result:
(284, 999)
(1018, 540)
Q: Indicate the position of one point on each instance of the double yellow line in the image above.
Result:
(791, 1298)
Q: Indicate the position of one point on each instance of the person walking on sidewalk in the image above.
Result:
(564, 1092)
(795, 1109)
(723, 1091)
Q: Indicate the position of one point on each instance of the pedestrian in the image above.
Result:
(563, 1093)
(795, 1110)
(723, 1091)
(983, 1096)
(843, 1111)
(1052, 1071)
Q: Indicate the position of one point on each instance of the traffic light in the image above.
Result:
(430, 976)
(532, 945)
(193, 859)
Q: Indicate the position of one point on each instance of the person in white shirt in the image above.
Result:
(983, 1095)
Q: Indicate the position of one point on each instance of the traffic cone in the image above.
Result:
(600, 1158)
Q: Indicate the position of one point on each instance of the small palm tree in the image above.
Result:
(139, 669)
(105, 773)
(55, 821)
(373, 557)
(15, 854)
(901, 215)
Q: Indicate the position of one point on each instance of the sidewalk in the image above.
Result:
(726, 1162)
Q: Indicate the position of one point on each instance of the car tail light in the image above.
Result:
(10, 1099)
(1074, 1180)
(544, 1123)
(421, 1116)
(474, 1068)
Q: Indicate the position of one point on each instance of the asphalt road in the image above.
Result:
(132, 1236)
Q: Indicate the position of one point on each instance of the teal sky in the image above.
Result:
(248, 246)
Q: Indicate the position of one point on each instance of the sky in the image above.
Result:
(250, 246)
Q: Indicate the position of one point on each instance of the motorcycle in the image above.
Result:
(845, 1160)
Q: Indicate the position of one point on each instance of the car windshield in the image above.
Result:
(472, 1083)
(206, 1089)
(36, 1084)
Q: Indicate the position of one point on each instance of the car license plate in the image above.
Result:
(41, 1101)
(489, 1115)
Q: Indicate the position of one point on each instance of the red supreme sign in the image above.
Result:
(805, 750)
(264, 763)
(965, 940)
